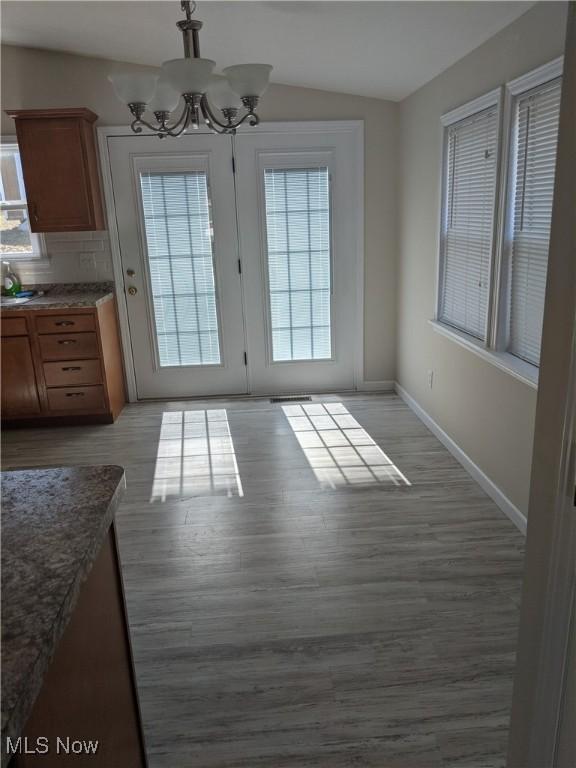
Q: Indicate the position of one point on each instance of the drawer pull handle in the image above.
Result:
(72, 368)
(75, 394)
(67, 341)
(65, 322)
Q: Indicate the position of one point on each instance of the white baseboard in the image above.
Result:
(509, 509)
(376, 386)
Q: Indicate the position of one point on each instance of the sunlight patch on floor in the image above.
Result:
(195, 456)
(338, 449)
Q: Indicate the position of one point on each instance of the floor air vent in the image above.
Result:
(291, 399)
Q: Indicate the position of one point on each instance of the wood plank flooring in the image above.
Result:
(300, 596)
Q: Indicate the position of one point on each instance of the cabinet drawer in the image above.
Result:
(65, 323)
(71, 373)
(14, 326)
(76, 399)
(68, 346)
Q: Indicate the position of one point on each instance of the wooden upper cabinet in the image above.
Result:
(60, 166)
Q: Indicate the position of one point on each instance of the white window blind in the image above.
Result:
(177, 220)
(536, 133)
(299, 262)
(468, 221)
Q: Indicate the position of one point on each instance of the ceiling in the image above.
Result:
(381, 49)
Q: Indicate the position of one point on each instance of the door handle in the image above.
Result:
(132, 290)
(130, 272)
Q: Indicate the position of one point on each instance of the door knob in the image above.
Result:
(132, 290)
(130, 272)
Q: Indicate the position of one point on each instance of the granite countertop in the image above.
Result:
(63, 296)
(54, 522)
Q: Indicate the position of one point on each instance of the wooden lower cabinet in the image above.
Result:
(61, 365)
(19, 390)
(89, 690)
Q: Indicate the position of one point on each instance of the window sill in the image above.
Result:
(14, 258)
(517, 368)
(39, 263)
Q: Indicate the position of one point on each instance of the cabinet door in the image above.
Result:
(19, 393)
(60, 174)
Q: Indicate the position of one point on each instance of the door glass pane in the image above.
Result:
(179, 240)
(299, 273)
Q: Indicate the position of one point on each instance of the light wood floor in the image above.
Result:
(355, 606)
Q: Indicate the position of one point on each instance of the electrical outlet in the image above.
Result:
(430, 379)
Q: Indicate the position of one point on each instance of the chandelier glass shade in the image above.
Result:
(222, 102)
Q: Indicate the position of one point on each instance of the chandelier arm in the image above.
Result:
(182, 120)
(220, 131)
(136, 125)
(214, 128)
(177, 133)
(162, 129)
(210, 117)
(252, 118)
(181, 125)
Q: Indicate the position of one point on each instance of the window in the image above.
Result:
(492, 280)
(471, 162)
(178, 226)
(299, 262)
(16, 240)
(536, 116)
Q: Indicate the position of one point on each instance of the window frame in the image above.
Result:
(515, 89)
(476, 106)
(494, 349)
(39, 253)
(193, 163)
(286, 160)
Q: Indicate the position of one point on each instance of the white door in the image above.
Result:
(241, 281)
(175, 210)
(299, 212)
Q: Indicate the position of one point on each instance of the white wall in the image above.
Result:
(33, 78)
(488, 413)
(71, 257)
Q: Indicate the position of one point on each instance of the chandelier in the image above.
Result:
(223, 103)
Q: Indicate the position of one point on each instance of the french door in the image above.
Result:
(239, 260)
(298, 213)
(174, 203)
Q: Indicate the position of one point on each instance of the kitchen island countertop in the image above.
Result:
(54, 522)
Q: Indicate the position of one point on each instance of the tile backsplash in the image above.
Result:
(71, 257)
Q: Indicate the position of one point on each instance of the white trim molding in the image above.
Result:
(495, 493)
(494, 98)
(536, 77)
(376, 386)
(103, 135)
(491, 99)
